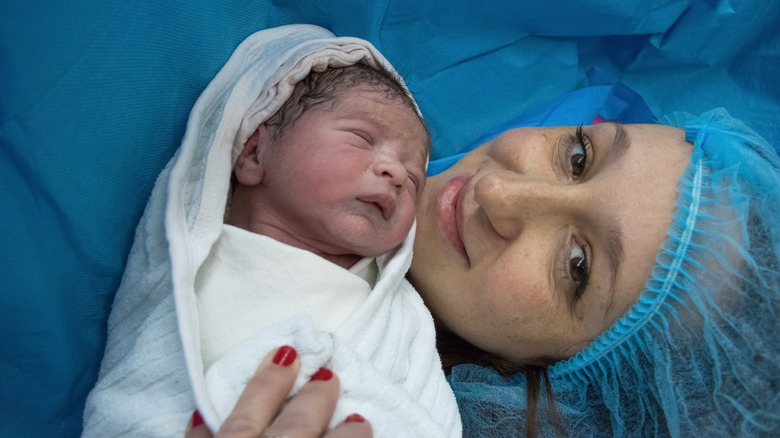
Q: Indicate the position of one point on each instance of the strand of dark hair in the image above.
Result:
(454, 350)
(321, 88)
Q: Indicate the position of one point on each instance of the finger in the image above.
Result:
(309, 412)
(196, 428)
(353, 426)
(263, 396)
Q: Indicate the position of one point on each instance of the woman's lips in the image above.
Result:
(447, 212)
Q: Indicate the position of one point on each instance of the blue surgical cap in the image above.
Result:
(698, 354)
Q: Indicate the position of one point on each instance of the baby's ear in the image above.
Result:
(249, 168)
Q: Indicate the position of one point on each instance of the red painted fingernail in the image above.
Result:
(285, 356)
(322, 374)
(354, 418)
(197, 420)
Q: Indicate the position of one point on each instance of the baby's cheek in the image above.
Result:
(409, 210)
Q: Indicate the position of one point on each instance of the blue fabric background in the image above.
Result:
(94, 97)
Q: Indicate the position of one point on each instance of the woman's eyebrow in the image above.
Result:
(620, 143)
(614, 249)
(613, 242)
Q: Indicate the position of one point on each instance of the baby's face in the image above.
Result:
(346, 177)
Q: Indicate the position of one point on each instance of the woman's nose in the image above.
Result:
(390, 167)
(513, 201)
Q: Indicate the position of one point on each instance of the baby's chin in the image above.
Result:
(368, 247)
(347, 254)
(362, 236)
(368, 243)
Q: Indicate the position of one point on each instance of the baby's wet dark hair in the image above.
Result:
(321, 88)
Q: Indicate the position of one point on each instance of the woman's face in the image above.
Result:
(537, 241)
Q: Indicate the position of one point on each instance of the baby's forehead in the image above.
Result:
(363, 98)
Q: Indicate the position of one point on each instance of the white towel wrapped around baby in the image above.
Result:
(152, 376)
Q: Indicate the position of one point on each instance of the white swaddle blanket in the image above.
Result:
(152, 375)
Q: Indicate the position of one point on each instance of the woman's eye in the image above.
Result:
(579, 269)
(579, 155)
(578, 159)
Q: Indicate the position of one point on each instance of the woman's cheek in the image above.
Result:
(511, 289)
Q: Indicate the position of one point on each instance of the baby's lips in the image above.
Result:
(385, 202)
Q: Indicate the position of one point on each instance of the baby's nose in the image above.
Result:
(392, 169)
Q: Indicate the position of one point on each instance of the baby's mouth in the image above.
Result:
(384, 202)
